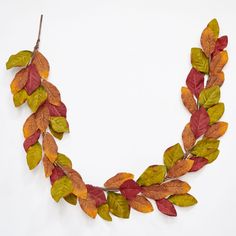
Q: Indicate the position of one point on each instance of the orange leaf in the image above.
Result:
(188, 137)
(216, 79)
(54, 96)
(118, 179)
(88, 206)
(180, 168)
(50, 147)
(42, 117)
(30, 126)
(218, 62)
(41, 64)
(216, 130)
(188, 100)
(48, 166)
(140, 203)
(208, 41)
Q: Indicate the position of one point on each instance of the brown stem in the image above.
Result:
(39, 34)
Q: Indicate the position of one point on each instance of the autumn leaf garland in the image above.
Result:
(120, 193)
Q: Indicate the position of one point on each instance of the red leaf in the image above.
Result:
(130, 189)
(195, 82)
(199, 162)
(31, 140)
(57, 110)
(33, 81)
(166, 207)
(221, 43)
(199, 122)
(57, 173)
(97, 194)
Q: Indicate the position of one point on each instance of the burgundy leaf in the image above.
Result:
(33, 81)
(57, 110)
(221, 43)
(57, 173)
(166, 207)
(129, 189)
(199, 162)
(97, 194)
(195, 81)
(199, 122)
(31, 140)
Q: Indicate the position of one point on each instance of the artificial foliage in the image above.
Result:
(159, 184)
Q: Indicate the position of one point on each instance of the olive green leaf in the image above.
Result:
(34, 155)
(199, 60)
(103, 212)
(172, 155)
(183, 200)
(37, 98)
(22, 58)
(59, 124)
(214, 26)
(212, 156)
(209, 96)
(61, 188)
(216, 112)
(71, 198)
(118, 205)
(154, 174)
(20, 97)
(63, 160)
(55, 134)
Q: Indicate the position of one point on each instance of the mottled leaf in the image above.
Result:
(129, 189)
(42, 117)
(216, 130)
(216, 79)
(31, 140)
(221, 43)
(103, 212)
(188, 137)
(63, 160)
(57, 173)
(166, 207)
(141, 204)
(54, 96)
(118, 179)
(57, 110)
(218, 62)
(71, 198)
(22, 58)
(55, 134)
(30, 126)
(209, 96)
(208, 41)
(48, 166)
(50, 147)
(20, 97)
(97, 194)
(34, 155)
(199, 162)
(214, 26)
(183, 200)
(216, 112)
(188, 100)
(59, 124)
(199, 60)
(88, 206)
(180, 168)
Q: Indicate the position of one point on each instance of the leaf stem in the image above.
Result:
(39, 34)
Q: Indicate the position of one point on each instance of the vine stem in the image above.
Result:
(36, 47)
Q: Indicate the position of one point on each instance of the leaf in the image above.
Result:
(59, 124)
(199, 162)
(129, 189)
(141, 204)
(166, 207)
(57, 173)
(195, 82)
(221, 43)
(209, 96)
(180, 168)
(103, 212)
(118, 205)
(50, 147)
(183, 200)
(42, 117)
(63, 160)
(188, 100)
(216, 112)
(22, 58)
(54, 96)
(71, 198)
(56, 134)
(88, 206)
(79, 187)
(216, 130)
(19, 82)
(57, 110)
(97, 194)
(31, 140)
(41, 64)
(199, 60)
(48, 166)
(214, 26)
(199, 122)
(188, 137)
(172, 155)
(33, 81)
(218, 62)
(61, 188)
(118, 179)
(20, 97)
(34, 155)
(208, 41)
(212, 155)
(216, 79)
(37, 98)
(154, 174)
(30, 126)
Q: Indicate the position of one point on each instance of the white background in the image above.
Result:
(119, 66)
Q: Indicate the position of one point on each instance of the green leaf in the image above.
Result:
(183, 200)
(34, 155)
(103, 212)
(61, 188)
(71, 198)
(118, 205)
(56, 134)
(214, 26)
(20, 97)
(152, 175)
(216, 112)
(209, 96)
(37, 98)
(199, 60)
(212, 156)
(22, 58)
(172, 155)
(63, 160)
(205, 147)
(59, 124)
